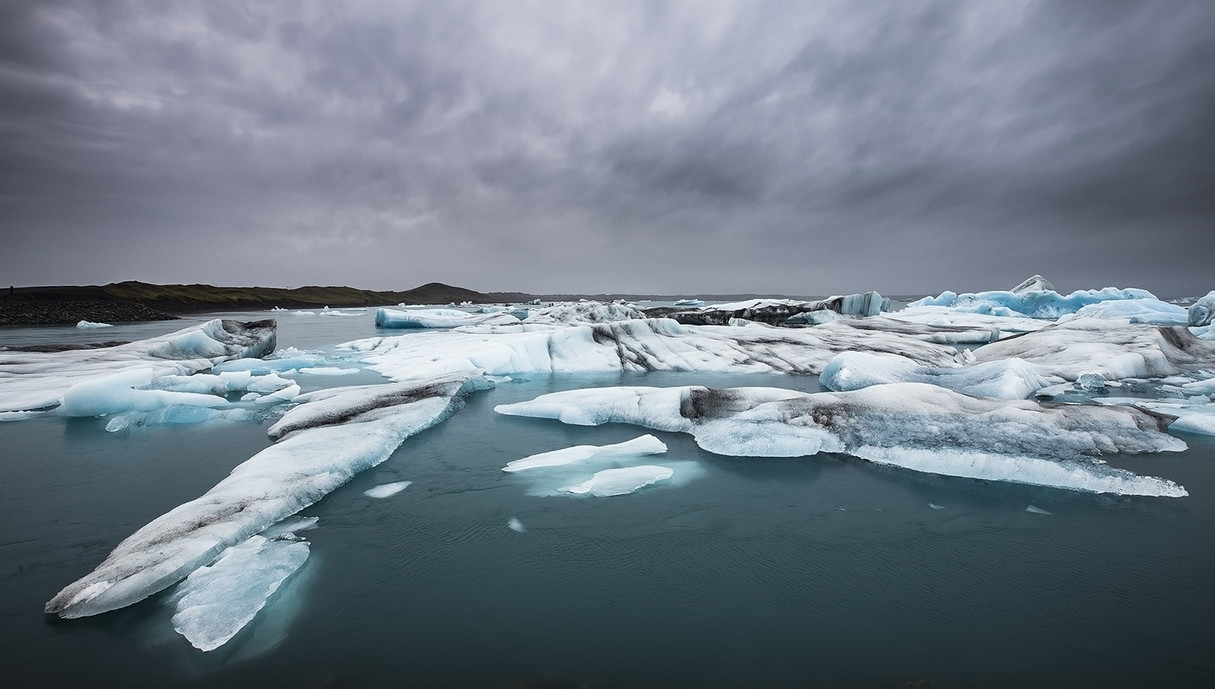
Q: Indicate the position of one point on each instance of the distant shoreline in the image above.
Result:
(138, 301)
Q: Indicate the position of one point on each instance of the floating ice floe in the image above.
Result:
(911, 425)
(387, 490)
(1150, 311)
(645, 445)
(334, 435)
(91, 324)
(218, 600)
(1010, 379)
(632, 345)
(435, 318)
(38, 380)
(1111, 348)
(620, 481)
(515, 525)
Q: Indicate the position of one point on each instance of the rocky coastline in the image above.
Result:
(66, 312)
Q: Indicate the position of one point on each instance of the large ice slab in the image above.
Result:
(38, 380)
(350, 430)
(1035, 303)
(912, 425)
(218, 600)
(1010, 379)
(1113, 348)
(633, 345)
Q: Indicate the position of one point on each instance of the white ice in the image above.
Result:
(38, 380)
(91, 324)
(1114, 349)
(631, 345)
(912, 425)
(621, 481)
(323, 448)
(387, 490)
(637, 447)
(217, 601)
(515, 525)
(434, 318)
(1010, 379)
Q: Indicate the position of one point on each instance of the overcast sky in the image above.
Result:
(675, 147)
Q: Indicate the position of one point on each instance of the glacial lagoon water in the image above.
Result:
(820, 571)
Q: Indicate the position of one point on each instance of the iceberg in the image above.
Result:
(435, 318)
(644, 445)
(1031, 302)
(91, 324)
(1112, 348)
(1152, 311)
(1034, 283)
(1202, 312)
(911, 425)
(632, 345)
(1009, 379)
(332, 436)
(621, 481)
(32, 381)
(218, 600)
(515, 525)
(585, 312)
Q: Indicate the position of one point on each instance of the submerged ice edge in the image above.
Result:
(275, 483)
(912, 425)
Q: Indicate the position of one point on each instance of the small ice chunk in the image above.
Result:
(386, 490)
(622, 481)
(1090, 382)
(91, 324)
(515, 525)
(935, 506)
(1037, 510)
(217, 601)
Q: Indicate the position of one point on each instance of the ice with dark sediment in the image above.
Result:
(1034, 283)
(38, 380)
(1202, 312)
(632, 345)
(323, 446)
(1113, 348)
(911, 425)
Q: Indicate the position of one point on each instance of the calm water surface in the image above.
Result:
(816, 572)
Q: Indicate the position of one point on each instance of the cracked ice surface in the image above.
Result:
(38, 380)
(911, 425)
(324, 447)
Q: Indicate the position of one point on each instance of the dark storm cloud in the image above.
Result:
(619, 146)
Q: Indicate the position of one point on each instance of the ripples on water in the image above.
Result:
(823, 571)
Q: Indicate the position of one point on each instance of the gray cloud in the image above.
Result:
(671, 147)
